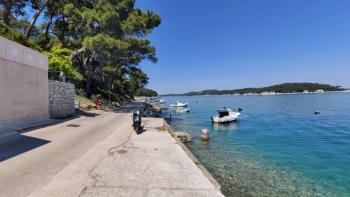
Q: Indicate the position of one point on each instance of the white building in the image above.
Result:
(268, 93)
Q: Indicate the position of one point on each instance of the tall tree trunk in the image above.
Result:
(47, 33)
(88, 85)
(7, 11)
(34, 19)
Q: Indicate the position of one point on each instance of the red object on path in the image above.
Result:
(97, 103)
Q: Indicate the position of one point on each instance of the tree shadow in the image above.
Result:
(131, 107)
(15, 145)
(86, 114)
(18, 144)
(56, 121)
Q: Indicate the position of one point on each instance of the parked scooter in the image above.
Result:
(137, 122)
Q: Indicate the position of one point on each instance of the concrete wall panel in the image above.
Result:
(5, 89)
(23, 84)
(21, 54)
(2, 47)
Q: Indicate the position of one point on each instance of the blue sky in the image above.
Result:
(228, 44)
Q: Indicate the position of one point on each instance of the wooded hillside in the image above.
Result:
(97, 44)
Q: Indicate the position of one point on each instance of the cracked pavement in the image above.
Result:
(121, 163)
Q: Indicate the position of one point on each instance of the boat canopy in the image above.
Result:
(223, 112)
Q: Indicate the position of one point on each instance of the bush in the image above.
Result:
(17, 36)
(146, 92)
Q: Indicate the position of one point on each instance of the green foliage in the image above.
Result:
(111, 36)
(146, 92)
(83, 100)
(59, 60)
(17, 36)
(138, 79)
(97, 44)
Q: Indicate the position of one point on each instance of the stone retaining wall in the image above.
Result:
(61, 99)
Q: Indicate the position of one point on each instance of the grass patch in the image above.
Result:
(83, 100)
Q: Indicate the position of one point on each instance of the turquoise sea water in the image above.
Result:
(278, 147)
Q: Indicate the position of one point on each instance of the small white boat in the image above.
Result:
(182, 110)
(225, 115)
(179, 104)
(161, 101)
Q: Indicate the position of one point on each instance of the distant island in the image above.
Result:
(270, 90)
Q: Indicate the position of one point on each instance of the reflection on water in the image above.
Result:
(224, 127)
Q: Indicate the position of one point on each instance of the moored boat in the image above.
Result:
(225, 115)
(179, 104)
(182, 110)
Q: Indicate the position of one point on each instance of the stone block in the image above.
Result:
(61, 99)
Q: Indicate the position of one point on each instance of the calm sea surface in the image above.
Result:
(278, 147)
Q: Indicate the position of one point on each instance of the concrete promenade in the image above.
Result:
(126, 164)
(32, 159)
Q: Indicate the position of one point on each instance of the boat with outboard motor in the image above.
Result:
(179, 104)
(225, 115)
(181, 110)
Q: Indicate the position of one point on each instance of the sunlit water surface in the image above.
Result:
(278, 147)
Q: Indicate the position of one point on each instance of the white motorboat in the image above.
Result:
(182, 110)
(179, 104)
(225, 115)
(161, 101)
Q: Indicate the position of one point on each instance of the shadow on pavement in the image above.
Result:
(139, 132)
(130, 107)
(86, 114)
(60, 121)
(15, 145)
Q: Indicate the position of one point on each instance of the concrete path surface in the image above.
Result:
(31, 160)
(126, 164)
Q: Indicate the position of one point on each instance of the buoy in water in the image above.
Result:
(240, 109)
(317, 112)
(205, 135)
